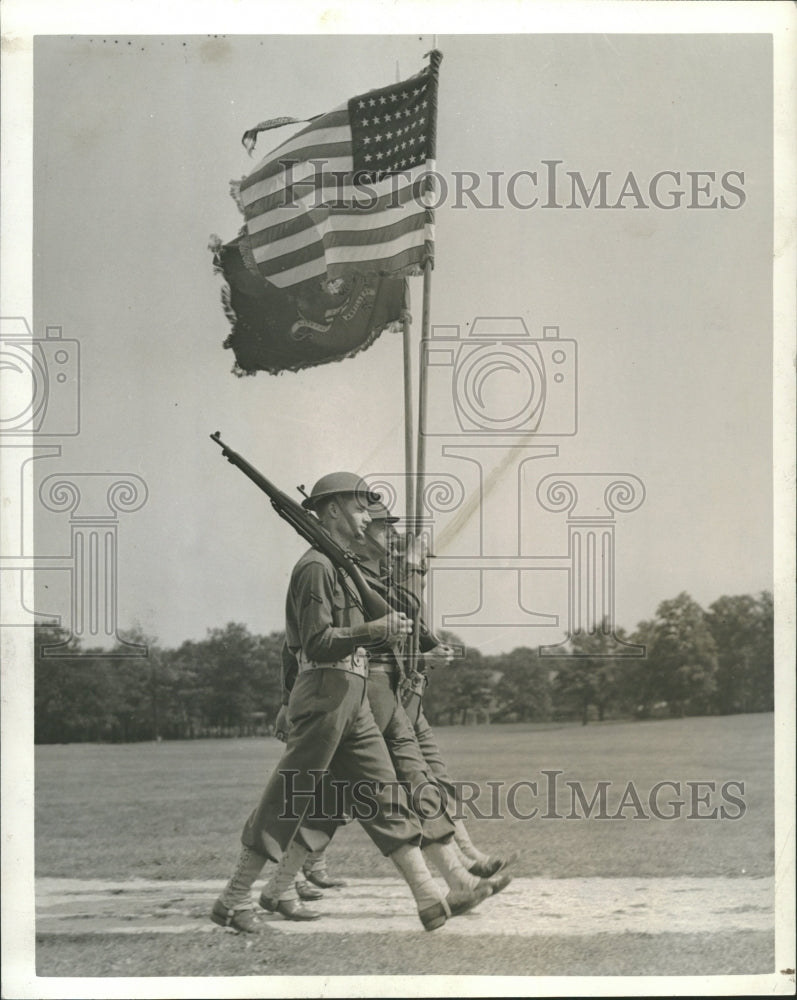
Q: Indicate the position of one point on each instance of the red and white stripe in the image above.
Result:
(308, 219)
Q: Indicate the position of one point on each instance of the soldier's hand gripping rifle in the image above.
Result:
(311, 529)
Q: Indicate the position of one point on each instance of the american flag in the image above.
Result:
(349, 193)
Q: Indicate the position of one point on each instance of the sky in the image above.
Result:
(136, 138)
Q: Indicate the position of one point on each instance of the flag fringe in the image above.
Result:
(215, 245)
(394, 326)
(235, 194)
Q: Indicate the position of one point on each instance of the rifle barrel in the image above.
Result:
(310, 529)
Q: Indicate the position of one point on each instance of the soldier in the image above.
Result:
(406, 574)
(385, 671)
(314, 868)
(385, 682)
(331, 727)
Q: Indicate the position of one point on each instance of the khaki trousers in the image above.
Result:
(426, 798)
(332, 729)
(429, 748)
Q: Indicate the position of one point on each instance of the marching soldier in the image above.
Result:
(385, 671)
(331, 727)
(381, 542)
(446, 840)
(314, 868)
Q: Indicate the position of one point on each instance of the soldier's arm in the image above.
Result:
(288, 672)
(407, 601)
(410, 573)
(322, 640)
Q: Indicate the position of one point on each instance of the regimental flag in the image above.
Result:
(336, 219)
(318, 321)
(348, 193)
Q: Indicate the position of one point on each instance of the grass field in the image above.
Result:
(174, 811)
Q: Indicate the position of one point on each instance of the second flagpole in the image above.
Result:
(409, 442)
(422, 398)
(415, 525)
(409, 455)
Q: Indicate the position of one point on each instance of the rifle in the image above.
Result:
(311, 529)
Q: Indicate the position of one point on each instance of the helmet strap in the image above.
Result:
(376, 548)
(346, 515)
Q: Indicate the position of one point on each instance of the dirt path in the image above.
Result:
(529, 907)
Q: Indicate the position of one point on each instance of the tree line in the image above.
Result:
(696, 662)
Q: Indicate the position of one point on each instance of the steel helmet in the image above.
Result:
(379, 512)
(336, 483)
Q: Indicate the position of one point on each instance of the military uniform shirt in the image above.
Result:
(323, 618)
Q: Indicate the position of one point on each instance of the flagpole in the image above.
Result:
(420, 475)
(409, 456)
(434, 62)
(415, 524)
(422, 397)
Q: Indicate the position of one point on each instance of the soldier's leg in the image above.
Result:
(235, 907)
(434, 760)
(285, 888)
(411, 699)
(280, 894)
(430, 802)
(315, 871)
(426, 800)
(433, 756)
(320, 711)
(314, 867)
(362, 769)
(476, 861)
(323, 705)
(376, 799)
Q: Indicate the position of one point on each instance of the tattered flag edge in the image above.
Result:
(215, 245)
